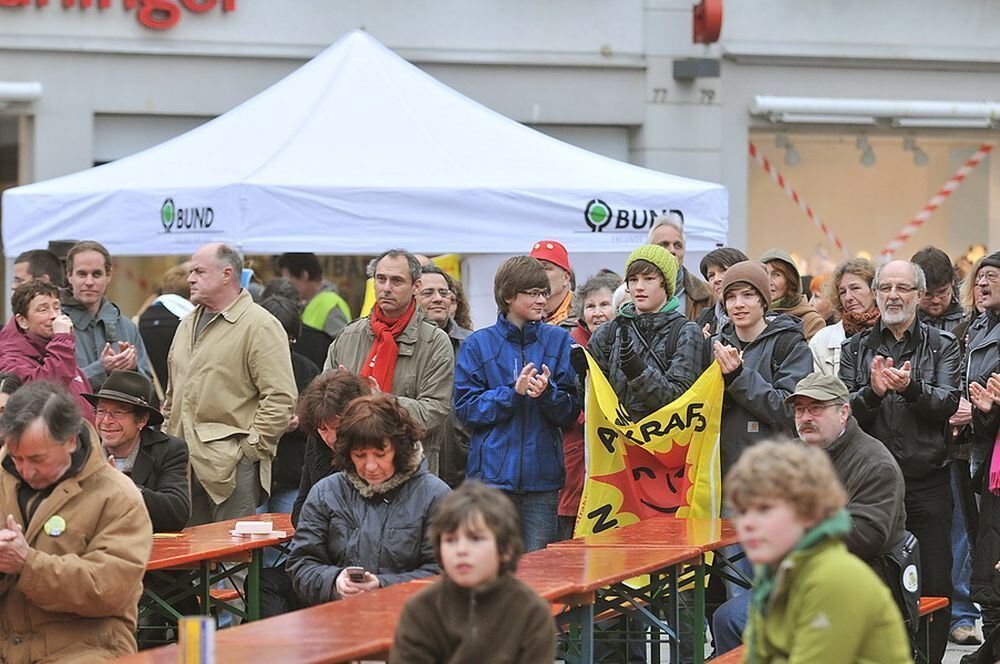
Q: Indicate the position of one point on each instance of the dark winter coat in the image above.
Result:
(286, 469)
(502, 623)
(516, 442)
(667, 335)
(949, 321)
(383, 528)
(157, 326)
(316, 464)
(161, 473)
(912, 424)
(875, 488)
(982, 360)
(753, 408)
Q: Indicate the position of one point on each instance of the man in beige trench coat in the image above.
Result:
(231, 390)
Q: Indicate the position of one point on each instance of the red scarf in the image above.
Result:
(381, 362)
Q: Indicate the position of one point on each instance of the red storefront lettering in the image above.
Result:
(155, 14)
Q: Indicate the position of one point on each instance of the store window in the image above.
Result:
(866, 189)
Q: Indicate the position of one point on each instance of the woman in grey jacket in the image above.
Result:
(375, 514)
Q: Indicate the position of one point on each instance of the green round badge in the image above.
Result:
(55, 526)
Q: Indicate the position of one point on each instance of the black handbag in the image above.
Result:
(900, 569)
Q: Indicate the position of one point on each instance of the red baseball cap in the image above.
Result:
(553, 252)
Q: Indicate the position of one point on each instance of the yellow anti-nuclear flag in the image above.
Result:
(665, 464)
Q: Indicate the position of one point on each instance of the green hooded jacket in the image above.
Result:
(823, 605)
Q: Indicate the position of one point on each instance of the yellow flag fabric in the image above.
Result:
(665, 464)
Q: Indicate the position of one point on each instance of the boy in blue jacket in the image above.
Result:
(515, 390)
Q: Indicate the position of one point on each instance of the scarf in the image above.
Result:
(628, 309)
(381, 361)
(768, 577)
(562, 311)
(854, 322)
(995, 467)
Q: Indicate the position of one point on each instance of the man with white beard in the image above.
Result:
(905, 382)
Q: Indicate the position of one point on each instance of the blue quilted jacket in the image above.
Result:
(516, 442)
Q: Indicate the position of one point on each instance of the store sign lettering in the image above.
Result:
(155, 14)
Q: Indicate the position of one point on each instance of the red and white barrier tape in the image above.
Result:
(787, 188)
(934, 203)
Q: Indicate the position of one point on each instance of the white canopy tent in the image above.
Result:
(353, 152)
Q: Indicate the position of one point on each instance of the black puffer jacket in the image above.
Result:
(912, 424)
(753, 408)
(677, 342)
(383, 528)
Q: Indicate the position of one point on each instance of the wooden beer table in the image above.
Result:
(710, 536)
(340, 631)
(600, 575)
(185, 565)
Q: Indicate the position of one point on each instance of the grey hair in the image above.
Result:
(231, 258)
(41, 399)
(411, 262)
(669, 219)
(618, 297)
(919, 279)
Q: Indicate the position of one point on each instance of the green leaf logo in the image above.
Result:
(597, 215)
(167, 214)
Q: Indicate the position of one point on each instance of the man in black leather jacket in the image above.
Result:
(904, 377)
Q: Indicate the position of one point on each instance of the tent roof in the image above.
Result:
(335, 158)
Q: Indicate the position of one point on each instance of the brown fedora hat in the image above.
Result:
(128, 387)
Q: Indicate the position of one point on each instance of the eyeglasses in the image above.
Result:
(939, 294)
(429, 292)
(814, 409)
(114, 414)
(989, 276)
(536, 293)
(901, 289)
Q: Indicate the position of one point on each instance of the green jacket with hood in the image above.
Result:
(823, 605)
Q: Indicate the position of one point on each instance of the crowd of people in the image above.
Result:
(404, 442)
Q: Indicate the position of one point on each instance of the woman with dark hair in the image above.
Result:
(38, 342)
(374, 514)
(8, 385)
(786, 291)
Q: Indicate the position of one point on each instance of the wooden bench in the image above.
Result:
(732, 657)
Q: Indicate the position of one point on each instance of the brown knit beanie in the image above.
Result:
(750, 273)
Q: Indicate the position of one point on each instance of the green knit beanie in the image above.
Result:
(662, 259)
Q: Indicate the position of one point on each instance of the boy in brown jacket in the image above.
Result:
(478, 612)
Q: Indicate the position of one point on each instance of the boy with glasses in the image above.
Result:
(515, 390)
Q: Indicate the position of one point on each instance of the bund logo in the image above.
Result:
(192, 219)
(599, 217)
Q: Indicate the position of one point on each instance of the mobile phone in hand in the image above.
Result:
(355, 574)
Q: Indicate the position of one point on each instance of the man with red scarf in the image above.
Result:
(396, 347)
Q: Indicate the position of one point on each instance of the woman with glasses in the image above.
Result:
(850, 292)
(650, 353)
(38, 342)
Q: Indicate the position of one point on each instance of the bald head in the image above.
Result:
(215, 276)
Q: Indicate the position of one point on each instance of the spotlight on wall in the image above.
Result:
(867, 154)
(792, 157)
(920, 157)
